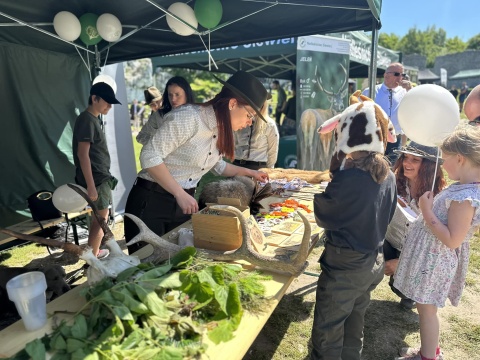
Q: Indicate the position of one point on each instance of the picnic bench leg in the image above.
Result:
(75, 233)
(72, 222)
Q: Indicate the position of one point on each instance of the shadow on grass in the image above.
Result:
(387, 324)
(293, 308)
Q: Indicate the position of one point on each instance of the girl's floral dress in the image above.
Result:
(429, 272)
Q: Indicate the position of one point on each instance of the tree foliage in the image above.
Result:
(431, 43)
(389, 41)
(138, 77)
(455, 45)
(474, 43)
(203, 83)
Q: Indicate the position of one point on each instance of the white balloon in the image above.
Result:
(184, 12)
(109, 27)
(68, 200)
(67, 26)
(428, 113)
(106, 79)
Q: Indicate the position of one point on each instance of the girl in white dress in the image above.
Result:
(434, 260)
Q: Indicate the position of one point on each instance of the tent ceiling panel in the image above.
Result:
(277, 58)
(147, 34)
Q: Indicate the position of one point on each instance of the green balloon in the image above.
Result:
(208, 12)
(89, 34)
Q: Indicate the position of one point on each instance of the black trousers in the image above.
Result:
(343, 295)
(156, 208)
(391, 253)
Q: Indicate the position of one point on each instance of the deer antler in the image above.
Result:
(247, 253)
(162, 249)
(66, 246)
(333, 92)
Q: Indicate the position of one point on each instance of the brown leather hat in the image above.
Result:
(152, 94)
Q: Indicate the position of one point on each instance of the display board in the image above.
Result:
(322, 90)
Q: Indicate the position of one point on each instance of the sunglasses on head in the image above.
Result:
(395, 73)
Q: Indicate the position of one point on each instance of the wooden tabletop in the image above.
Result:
(15, 337)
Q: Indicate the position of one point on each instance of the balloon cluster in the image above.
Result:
(92, 28)
(207, 13)
(89, 27)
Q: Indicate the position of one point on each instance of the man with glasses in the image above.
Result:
(472, 106)
(388, 95)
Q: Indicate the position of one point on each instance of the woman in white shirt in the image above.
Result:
(256, 146)
(192, 140)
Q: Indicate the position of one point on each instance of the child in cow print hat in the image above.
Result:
(362, 127)
(354, 210)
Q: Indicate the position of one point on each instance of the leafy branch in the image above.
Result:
(156, 312)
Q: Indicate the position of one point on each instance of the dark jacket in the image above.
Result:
(355, 211)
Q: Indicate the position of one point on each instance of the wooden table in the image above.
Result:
(15, 337)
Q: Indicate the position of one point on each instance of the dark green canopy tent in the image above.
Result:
(44, 80)
(146, 33)
(276, 59)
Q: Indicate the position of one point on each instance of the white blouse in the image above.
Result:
(186, 142)
(263, 147)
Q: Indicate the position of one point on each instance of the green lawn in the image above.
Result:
(137, 147)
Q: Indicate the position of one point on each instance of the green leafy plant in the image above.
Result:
(156, 312)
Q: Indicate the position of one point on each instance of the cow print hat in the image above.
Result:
(363, 126)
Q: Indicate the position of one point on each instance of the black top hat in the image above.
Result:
(105, 91)
(415, 149)
(249, 88)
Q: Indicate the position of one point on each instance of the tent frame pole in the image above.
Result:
(372, 69)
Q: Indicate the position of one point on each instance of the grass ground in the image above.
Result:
(137, 147)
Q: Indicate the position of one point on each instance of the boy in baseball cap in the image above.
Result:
(92, 160)
(104, 91)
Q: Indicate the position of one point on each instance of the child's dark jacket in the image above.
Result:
(355, 211)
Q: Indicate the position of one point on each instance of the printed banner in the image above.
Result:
(322, 91)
